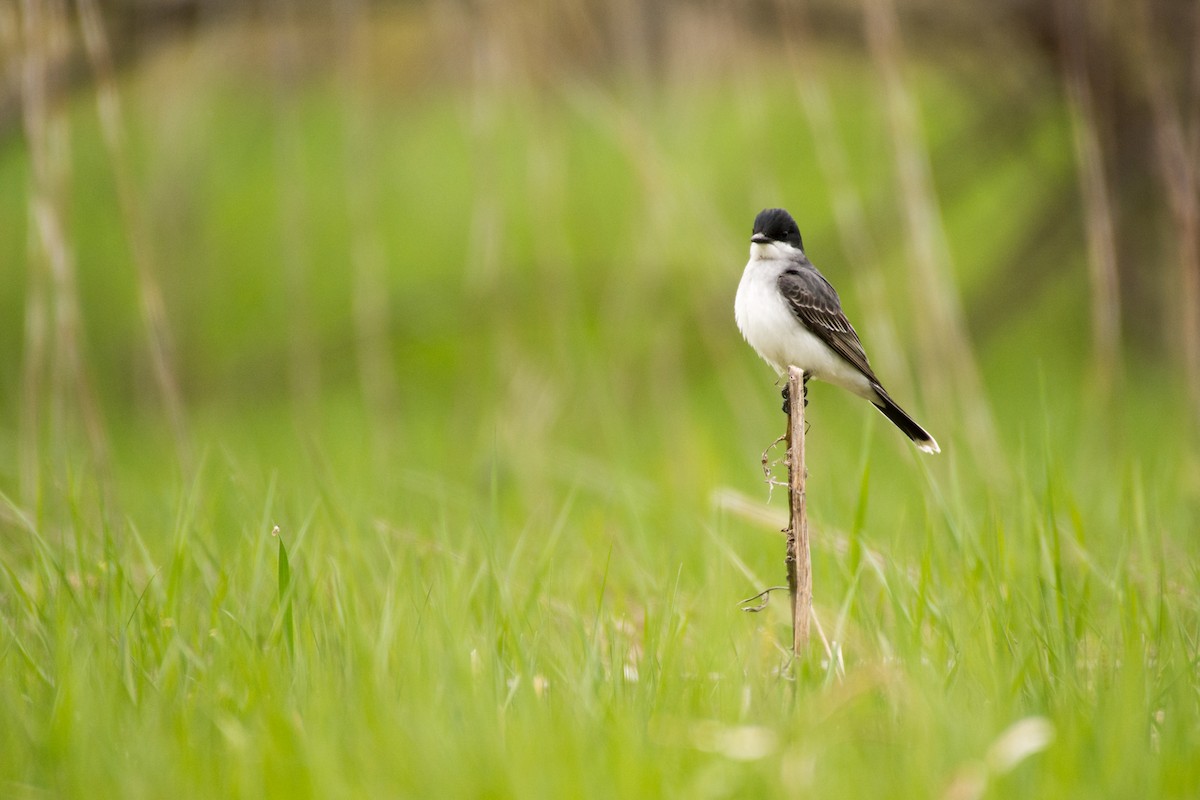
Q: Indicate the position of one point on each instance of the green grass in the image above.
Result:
(523, 578)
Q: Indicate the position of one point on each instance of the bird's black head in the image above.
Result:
(776, 225)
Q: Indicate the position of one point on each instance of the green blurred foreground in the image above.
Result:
(512, 567)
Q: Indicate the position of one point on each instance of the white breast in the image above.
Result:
(768, 325)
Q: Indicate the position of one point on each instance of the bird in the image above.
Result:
(792, 316)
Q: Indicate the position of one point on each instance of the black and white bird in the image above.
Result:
(791, 316)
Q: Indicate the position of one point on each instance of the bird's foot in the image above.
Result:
(787, 398)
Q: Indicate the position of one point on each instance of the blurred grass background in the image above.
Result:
(444, 291)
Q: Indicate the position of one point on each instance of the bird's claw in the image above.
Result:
(786, 395)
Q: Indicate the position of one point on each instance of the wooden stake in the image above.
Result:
(799, 563)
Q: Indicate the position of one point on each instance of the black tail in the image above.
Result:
(904, 422)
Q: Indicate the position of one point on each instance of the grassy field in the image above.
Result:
(508, 563)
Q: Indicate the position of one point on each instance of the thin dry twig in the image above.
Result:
(768, 463)
(765, 594)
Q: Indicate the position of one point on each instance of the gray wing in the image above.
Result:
(816, 305)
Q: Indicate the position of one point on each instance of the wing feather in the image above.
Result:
(816, 304)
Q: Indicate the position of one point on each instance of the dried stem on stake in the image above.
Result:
(799, 563)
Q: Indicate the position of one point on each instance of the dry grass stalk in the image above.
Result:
(799, 560)
(45, 37)
(153, 309)
(376, 370)
(1097, 198)
(304, 373)
(949, 367)
(1178, 166)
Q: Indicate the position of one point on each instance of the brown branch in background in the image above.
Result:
(154, 315)
(376, 370)
(948, 369)
(1073, 25)
(798, 560)
(45, 37)
(1181, 176)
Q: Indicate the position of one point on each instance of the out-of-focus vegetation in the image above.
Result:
(445, 293)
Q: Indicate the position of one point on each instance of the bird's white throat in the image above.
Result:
(772, 251)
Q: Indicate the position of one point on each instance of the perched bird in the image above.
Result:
(791, 316)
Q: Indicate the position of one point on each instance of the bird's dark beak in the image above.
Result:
(760, 238)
